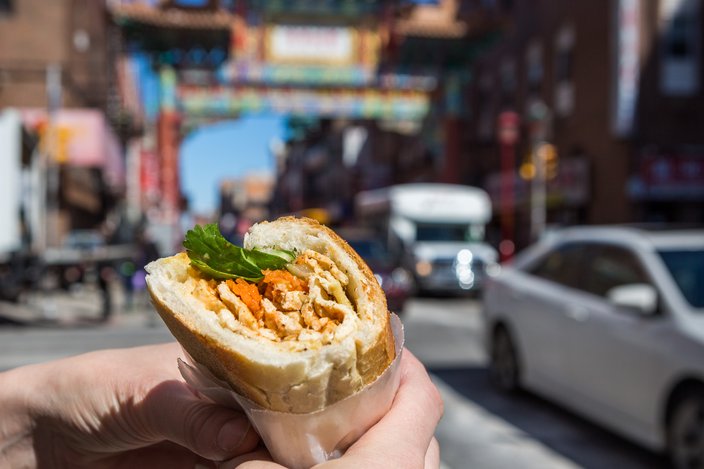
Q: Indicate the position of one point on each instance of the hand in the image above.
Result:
(115, 408)
(403, 438)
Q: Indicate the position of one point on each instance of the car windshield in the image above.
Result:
(370, 250)
(687, 268)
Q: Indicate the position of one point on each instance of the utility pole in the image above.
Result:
(508, 135)
(539, 116)
(51, 165)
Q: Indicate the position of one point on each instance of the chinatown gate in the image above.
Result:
(184, 65)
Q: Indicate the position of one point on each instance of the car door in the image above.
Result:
(613, 351)
(537, 301)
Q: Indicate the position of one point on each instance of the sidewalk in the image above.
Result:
(79, 307)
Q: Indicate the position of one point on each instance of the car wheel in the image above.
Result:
(504, 366)
(685, 431)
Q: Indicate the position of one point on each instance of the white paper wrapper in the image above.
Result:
(302, 440)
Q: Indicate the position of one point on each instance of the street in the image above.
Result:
(480, 428)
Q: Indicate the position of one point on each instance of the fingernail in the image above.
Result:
(233, 433)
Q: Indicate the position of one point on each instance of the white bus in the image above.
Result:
(436, 229)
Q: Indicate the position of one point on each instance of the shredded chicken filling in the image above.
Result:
(306, 305)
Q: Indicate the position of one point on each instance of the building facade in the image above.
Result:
(55, 70)
(614, 89)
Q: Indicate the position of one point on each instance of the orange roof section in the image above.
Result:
(439, 21)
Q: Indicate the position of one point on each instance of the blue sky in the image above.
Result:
(226, 150)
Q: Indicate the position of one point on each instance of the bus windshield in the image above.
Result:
(446, 232)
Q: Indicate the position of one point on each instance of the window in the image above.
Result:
(534, 67)
(687, 269)
(564, 71)
(610, 267)
(562, 265)
(680, 47)
(508, 81)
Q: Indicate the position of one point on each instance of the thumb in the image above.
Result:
(171, 411)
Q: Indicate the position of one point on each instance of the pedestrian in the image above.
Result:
(130, 408)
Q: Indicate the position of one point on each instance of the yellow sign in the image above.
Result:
(547, 154)
(54, 141)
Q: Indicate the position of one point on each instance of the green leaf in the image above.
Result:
(215, 256)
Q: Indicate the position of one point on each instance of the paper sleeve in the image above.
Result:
(302, 440)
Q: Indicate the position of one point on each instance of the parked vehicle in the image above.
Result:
(395, 280)
(610, 323)
(19, 266)
(437, 230)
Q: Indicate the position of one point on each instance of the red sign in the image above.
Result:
(508, 127)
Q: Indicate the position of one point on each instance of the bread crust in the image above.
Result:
(281, 380)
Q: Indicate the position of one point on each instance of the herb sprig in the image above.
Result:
(216, 257)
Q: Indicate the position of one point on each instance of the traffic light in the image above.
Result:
(547, 155)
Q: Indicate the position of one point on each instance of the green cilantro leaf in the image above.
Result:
(215, 256)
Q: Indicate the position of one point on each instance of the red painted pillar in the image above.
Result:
(169, 141)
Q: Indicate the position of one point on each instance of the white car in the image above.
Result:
(609, 322)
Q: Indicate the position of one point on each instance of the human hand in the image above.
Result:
(114, 408)
(402, 438)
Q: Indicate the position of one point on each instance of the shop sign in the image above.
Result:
(669, 177)
(627, 70)
(508, 128)
(78, 137)
(306, 44)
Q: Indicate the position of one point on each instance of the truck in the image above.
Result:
(436, 230)
(27, 263)
(12, 255)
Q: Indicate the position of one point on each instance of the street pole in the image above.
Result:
(539, 116)
(508, 157)
(51, 167)
(508, 134)
(537, 210)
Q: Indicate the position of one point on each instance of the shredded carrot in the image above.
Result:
(284, 279)
(247, 292)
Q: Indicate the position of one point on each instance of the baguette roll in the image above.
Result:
(299, 340)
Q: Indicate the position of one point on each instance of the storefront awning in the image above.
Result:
(81, 137)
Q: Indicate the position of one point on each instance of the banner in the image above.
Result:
(365, 103)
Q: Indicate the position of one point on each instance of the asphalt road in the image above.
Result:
(481, 428)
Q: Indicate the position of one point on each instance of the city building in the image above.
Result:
(55, 70)
(609, 98)
(429, 46)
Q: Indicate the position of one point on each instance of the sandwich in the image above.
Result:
(294, 320)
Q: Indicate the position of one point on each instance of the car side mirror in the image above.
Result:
(639, 297)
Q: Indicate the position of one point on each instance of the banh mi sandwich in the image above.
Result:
(294, 320)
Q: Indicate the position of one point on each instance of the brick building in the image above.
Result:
(620, 87)
(56, 70)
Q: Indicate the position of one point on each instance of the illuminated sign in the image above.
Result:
(311, 44)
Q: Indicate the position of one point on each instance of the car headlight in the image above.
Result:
(493, 269)
(401, 278)
(424, 268)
